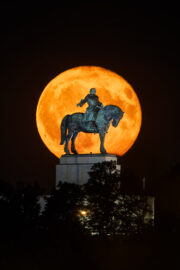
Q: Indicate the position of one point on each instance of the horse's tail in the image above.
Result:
(64, 128)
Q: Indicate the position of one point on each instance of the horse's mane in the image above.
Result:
(111, 106)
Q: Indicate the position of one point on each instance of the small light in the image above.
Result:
(83, 212)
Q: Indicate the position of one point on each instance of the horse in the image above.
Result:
(72, 124)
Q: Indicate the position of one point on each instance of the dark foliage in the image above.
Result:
(19, 208)
(62, 207)
(110, 213)
(60, 236)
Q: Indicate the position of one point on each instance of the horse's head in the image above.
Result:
(117, 117)
(112, 113)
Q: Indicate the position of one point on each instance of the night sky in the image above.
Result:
(141, 44)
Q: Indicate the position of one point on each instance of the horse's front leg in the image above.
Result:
(102, 137)
(73, 148)
(66, 148)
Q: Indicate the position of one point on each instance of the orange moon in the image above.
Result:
(61, 95)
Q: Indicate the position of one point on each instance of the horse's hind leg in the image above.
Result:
(73, 148)
(102, 137)
(68, 137)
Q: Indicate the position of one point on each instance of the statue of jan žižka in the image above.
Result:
(97, 119)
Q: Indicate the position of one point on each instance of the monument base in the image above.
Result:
(75, 168)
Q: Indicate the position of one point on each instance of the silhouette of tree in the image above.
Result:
(19, 208)
(108, 211)
(98, 207)
(27, 202)
(62, 207)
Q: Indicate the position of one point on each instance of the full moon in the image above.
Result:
(61, 96)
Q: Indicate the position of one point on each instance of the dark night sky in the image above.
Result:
(140, 44)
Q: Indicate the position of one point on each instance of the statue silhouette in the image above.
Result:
(97, 119)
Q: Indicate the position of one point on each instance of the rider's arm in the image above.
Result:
(82, 102)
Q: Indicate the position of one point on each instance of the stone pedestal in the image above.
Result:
(75, 168)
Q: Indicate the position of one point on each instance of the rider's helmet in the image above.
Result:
(92, 91)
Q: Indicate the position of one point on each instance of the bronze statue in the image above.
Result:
(97, 119)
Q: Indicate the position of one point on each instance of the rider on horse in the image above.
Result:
(94, 106)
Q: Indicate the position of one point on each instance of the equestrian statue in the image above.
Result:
(97, 119)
